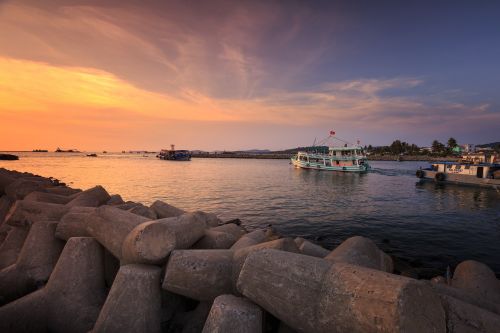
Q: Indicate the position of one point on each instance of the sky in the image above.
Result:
(232, 75)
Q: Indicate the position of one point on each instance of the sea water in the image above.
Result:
(428, 226)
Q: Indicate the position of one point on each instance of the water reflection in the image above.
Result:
(329, 179)
(464, 197)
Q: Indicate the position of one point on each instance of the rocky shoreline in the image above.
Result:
(80, 261)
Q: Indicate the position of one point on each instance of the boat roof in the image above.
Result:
(470, 164)
(345, 148)
(176, 150)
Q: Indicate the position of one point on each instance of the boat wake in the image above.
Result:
(392, 172)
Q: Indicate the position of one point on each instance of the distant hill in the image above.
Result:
(255, 151)
(493, 145)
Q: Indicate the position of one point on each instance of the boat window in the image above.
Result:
(448, 166)
(467, 167)
(458, 167)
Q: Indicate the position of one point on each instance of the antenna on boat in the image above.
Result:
(331, 135)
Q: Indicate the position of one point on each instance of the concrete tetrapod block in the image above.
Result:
(233, 314)
(134, 301)
(21, 187)
(76, 289)
(4, 232)
(361, 251)
(144, 211)
(309, 248)
(12, 245)
(5, 204)
(465, 296)
(299, 241)
(462, 317)
(215, 240)
(239, 256)
(314, 295)
(128, 205)
(199, 274)
(26, 315)
(34, 265)
(24, 213)
(110, 226)
(151, 242)
(164, 210)
(477, 278)
(73, 223)
(252, 238)
(5, 180)
(63, 190)
(210, 219)
(115, 199)
(48, 197)
(93, 197)
(231, 228)
(71, 300)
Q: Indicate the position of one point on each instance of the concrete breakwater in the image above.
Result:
(284, 156)
(80, 261)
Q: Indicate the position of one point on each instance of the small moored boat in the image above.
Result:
(480, 169)
(348, 158)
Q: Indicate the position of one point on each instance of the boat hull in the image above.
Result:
(322, 167)
(450, 178)
(183, 158)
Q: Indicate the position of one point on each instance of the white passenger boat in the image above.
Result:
(348, 158)
(478, 169)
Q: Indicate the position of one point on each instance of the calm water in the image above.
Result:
(426, 225)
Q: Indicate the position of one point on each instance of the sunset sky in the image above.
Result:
(213, 75)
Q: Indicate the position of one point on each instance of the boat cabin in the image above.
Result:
(337, 158)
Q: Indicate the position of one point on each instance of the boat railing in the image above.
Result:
(335, 158)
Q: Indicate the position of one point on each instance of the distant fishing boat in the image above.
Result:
(40, 150)
(480, 169)
(59, 150)
(92, 155)
(174, 155)
(348, 158)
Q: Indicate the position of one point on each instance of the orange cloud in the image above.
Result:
(27, 86)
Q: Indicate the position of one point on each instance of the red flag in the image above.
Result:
(332, 133)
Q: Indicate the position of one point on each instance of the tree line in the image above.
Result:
(399, 147)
